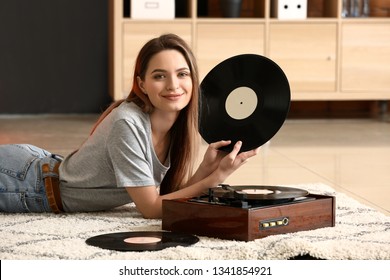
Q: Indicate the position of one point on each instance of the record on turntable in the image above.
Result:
(258, 193)
(245, 97)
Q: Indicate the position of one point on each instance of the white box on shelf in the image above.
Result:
(289, 9)
(152, 9)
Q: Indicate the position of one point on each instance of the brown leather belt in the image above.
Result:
(52, 186)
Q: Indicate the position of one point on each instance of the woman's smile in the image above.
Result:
(173, 97)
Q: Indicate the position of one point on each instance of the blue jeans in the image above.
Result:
(22, 188)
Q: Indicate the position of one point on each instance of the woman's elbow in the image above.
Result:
(151, 215)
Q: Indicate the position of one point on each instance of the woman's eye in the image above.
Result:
(159, 76)
(184, 74)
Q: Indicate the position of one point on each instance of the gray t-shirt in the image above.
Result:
(119, 154)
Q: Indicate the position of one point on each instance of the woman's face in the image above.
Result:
(167, 82)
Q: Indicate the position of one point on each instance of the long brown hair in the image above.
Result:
(184, 136)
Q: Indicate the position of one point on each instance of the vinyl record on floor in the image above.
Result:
(245, 97)
(141, 240)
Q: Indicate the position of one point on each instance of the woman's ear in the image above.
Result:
(141, 84)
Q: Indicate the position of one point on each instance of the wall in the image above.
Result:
(53, 56)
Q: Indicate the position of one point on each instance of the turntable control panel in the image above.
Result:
(266, 224)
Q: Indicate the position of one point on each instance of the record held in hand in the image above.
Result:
(141, 240)
(245, 97)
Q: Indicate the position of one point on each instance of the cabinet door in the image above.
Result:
(216, 42)
(365, 57)
(136, 34)
(307, 54)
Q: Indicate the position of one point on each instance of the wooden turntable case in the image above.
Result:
(227, 222)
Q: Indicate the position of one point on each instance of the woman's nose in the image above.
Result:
(173, 84)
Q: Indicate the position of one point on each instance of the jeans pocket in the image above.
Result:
(15, 161)
(23, 203)
(21, 183)
(34, 203)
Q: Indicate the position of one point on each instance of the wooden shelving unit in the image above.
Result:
(325, 57)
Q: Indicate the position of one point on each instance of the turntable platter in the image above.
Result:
(249, 192)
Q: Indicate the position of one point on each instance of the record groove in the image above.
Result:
(245, 97)
(137, 240)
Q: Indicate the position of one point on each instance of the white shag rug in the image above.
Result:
(361, 233)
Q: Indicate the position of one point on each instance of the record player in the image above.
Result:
(248, 212)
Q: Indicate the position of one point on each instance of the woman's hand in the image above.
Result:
(213, 156)
(222, 163)
(232, 161)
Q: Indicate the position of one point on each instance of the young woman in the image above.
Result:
(141, 149)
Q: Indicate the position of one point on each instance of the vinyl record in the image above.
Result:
(141, 240)
(251, 192)
(245, 97)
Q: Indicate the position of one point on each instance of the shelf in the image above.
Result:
(325, 56)
(156, 21)
(304, 21)
(262, 9)
(365, 56)
(340, 96)
(231, 21)
(366, 20)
